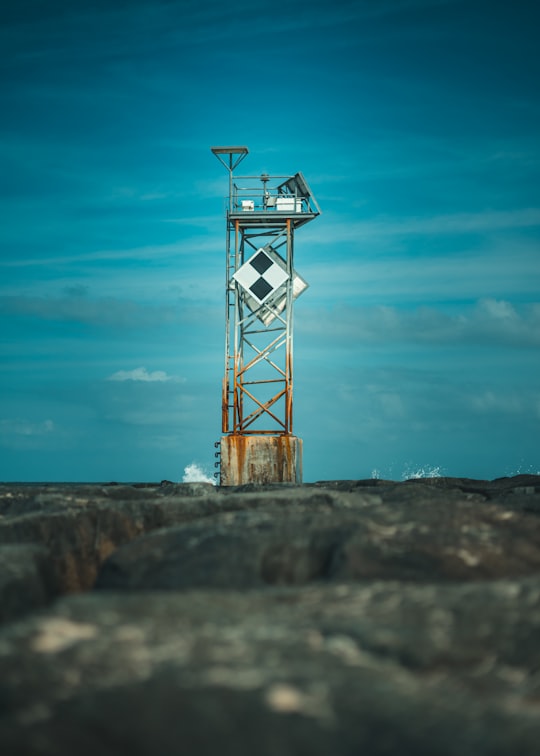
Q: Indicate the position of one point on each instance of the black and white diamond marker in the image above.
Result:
(260, 276)
(256, 277)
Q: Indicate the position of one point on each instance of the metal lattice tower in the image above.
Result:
(263, 213)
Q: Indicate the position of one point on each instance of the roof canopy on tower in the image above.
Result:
(230, 163)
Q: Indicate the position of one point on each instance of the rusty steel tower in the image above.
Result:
(263, 213)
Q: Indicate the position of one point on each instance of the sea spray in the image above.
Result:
(194, 473)
(522, 469)
(410, 472)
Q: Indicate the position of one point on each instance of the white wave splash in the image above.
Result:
(410, 472)
(194, 473)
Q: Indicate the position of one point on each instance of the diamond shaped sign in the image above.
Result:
(260, 276)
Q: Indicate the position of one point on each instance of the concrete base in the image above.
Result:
(260, 459)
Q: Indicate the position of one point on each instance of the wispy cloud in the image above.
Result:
(502, 268)
(141, 374)
(436, 225)
(490, 322)
(151, 253)
(505, 402)
(22, 427)
(24, 434)
(98, 312)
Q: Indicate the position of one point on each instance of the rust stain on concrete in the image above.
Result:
(260, 459)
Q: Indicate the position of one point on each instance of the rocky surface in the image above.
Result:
(342, 617)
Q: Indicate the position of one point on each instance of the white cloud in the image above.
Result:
(507, 402)
(373, 230)
(146, 253)
(490, 321)
(22, 427)
(140, 374)
(105, 312)
(501, 269)
(22, 434)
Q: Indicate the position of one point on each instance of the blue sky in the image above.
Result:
(417, 126)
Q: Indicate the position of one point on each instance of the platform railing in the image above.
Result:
(248, 200)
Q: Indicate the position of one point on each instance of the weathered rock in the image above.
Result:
(27, 581)
(424, 535)
(340, 618)
(381, 668)
(82, 525)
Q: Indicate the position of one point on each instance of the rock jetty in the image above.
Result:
(329, 619)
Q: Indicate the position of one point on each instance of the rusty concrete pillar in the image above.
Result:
(260, 459)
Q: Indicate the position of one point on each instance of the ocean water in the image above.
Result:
(196, 473)
(411, 471)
